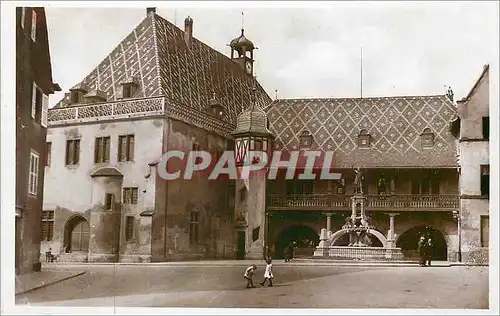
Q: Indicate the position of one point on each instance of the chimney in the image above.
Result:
(188, 31)
(150, 10)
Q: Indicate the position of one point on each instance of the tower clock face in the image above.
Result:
(248, 67)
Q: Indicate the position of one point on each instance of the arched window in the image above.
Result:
(427, 138)
(306, 139)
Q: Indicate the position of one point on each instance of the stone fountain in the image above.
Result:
(358, 226)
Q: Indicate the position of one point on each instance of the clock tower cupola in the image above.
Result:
(242, 52)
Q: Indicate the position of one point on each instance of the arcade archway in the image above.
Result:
(408, 242)
(305, 237)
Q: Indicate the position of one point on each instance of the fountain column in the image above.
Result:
(391, 236)
(329, 224)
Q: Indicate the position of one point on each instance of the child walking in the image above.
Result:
(249, 274)
(268, 274)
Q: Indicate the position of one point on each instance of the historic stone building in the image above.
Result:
(159, 89)
(403, 147)
(472, 128)
(33, 87)
(162, 89)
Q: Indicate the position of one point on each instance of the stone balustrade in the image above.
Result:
(400, 202)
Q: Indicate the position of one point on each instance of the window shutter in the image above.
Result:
(23, 14)
(33, 25)
(45, 109)
(33, 101)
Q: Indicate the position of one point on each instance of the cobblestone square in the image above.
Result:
(310, 286)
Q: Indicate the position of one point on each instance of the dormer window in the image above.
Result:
(364, 139)
(427, 138)
(215, 108)
(306, 139)
(129, 87)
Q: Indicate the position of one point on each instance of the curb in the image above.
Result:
(55, 282)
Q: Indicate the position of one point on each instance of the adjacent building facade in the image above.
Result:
(33, 86)
(162, 89)
(472, 128)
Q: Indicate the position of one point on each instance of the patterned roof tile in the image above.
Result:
(394, 124)
(156, 53)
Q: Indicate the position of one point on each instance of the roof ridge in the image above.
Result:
(359, 98)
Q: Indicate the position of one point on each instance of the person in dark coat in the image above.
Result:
(422, 243)
(429, 251)
(288, 252)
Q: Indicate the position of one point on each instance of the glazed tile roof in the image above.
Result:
(394, 123)
(156, 54)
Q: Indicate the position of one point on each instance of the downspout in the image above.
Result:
(166, 195)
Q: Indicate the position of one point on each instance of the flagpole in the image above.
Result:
(361, 83)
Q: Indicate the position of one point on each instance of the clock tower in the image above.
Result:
(242, 52)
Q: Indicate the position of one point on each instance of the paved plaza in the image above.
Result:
(299, 286)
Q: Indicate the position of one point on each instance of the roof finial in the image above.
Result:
(242, 23)
(276, 94)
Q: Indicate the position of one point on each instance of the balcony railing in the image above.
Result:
(374, 202)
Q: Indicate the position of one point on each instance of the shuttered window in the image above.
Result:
(33, 173)
(45, 110)
(33, 25)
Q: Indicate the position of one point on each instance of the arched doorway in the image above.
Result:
(408, 242)
(76, 234)
(305, 237)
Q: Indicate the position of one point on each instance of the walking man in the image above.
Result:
(429, 251)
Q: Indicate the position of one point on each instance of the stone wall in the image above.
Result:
(68, 190)
(206, 197)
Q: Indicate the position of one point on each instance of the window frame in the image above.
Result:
(128, 195)
(48, 153)
(482, 219)
(72, 152)
(129, 228)
(109, 200)
(484, 172)
(102, 148)
(194, 227)
(485, 125)
(23, 16)
(33, 172)
(126, 153)
(49, 222)
(33, 25)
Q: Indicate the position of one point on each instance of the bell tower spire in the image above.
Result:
(242, 50)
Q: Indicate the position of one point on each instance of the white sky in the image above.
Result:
(408, 48)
